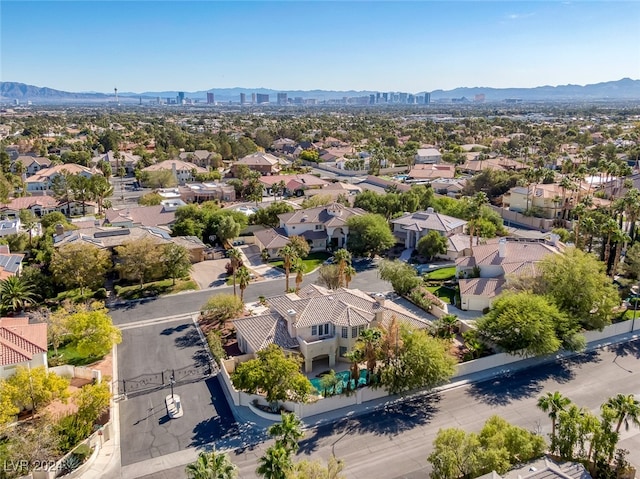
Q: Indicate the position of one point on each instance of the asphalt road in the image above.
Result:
(366, 279)
(395, 442)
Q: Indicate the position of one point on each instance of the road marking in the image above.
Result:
(165, 319)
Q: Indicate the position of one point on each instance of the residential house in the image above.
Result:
(494, 262)
(10, 227)
(272, 240)
(411, 227)
(163, 215)
(43, 179)
(545, 200)
(265, 163)
(477, 165)
(427, 156)
(421, 172)
(10, 263)
(202, 158)
(320, 324)
(294, 185)
(544, 468)
(283, 143)
(41, 205)
(128, 161)
(182, 171)
(450, 187)
(334, 190)
(30, 165)
(324, 227)
(21, 344)
(200, 192)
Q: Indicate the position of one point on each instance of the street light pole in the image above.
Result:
(172, 382)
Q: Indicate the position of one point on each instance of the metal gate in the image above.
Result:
(146, 383)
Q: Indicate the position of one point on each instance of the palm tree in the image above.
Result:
(288, 255)
(16, 294)
(608, 229)
(275, 464)
(298, 268)
(287, 432)
(236, 260)
(620, 238)
(100, 189)
(343, 258)
(349, 274)
(370, 340)
(244, 277)
(553, 403)
(626, 409)
(475, 213)
(212, 465)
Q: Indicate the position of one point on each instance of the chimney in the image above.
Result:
(292, 319)
(59, 230)
(502, 248)
(430, 210)
(4, 249)
(555, 239)
(379, 297)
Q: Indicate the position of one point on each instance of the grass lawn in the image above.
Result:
(69, 355)
(447, 295)
(155, 288)
(442, 274)
(311, 262)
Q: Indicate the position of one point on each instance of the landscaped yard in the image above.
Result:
(442, 274)
(155, 288)
(447, 295)
(311, 262)
(68, 354)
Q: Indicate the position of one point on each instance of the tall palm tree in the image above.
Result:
(553, 403)
(100, 189)
(343, 258)
(608, 229)
(620, 238)
(370, 340)
(626, 409)
(474, 213)
(349, 274)
(17, 294)
(288, 255)
(212, 465)
(298, 268)
(275, 464)
(236, 260)
(244, 278)
(287, 432)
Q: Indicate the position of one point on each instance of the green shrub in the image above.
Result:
(71, 431)
(83, 451)
(101, 293)
(215, 346)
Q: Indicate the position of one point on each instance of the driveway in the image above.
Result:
(210, 273)
(252, 258)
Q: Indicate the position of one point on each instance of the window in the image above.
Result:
(314, 330)
(360, 329)
(324, 329)
(343, 351)
(345, 333)
(354, 332)
(319, 227)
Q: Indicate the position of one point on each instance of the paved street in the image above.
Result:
(395, 442)
(366, 279)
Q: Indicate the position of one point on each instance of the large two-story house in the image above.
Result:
(319, 323)
(43, 179)
(30, 165)
(411, 227)
(182, 170)
(265, 163)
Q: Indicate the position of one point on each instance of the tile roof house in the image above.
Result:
(30, 164)
(265, 163)
(431, 172)
(323, 227)
(156, 215)
(42, 180)
(202, 158)
(500, 164)
(411, 227)
(200, 192)
(10, 263)
(294, 184)
(271, 239)
(497, 261)
(182, 170)
(21, 344)
(428, 155)
(319, 323)
(124, 159)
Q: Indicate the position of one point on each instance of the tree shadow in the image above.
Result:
(391, 420)
(222, 425)
(188, 340)
(631, 348)
(200, 358)
(515, 385)
(177, 329)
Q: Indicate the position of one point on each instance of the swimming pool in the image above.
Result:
(344, 376)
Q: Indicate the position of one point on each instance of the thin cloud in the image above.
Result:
(519, 16)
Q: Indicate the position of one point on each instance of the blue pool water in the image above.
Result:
(344, 375)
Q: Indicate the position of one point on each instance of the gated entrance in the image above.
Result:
(146, 383)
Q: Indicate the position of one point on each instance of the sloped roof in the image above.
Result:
(320, 214)
(428, 221)
(488, 287)
(20, 341)
(261, 331)
(516, 252)
(258, 159)
(46, 173)
(179, 164)
(10, 263)
(25, 202)
(272, 238)
(155, 215)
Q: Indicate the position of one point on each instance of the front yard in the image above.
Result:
(312, 261)
(155, 288)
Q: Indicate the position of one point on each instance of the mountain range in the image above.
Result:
(624, 89)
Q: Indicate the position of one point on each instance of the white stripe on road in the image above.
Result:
(165, 319)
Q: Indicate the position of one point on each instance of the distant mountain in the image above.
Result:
(625, 89)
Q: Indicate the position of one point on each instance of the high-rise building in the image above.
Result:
(385, 97)
(243, 98)
(427, 98)
(282, 99)
(372, 99)
(253, 98)
(262, 98)
(210, 98)
(180, 99)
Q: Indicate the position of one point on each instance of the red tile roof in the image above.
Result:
(21, 341)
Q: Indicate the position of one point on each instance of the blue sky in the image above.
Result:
(372, 45)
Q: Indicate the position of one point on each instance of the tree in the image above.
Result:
(527, 324)
(80, 265)
(287, 432)
(275, 464)
(100, 189)
(432, 244)
(269, 216)
(316, 470)
(80, 186)
(29, 221)
(222, 307)
(300, 246)
(235, 257)
(228, 229)
(244, 278)
(36, 387)
(92, 330)
(626, 409)
(402, 276)
(16, 294)
(8, 410)
(176, 261)
(631, 264)
(455, 454)
(369, 234)
(212, 465)
(275, 373)
(349, 274)
(288, 255)
(152, 199)
(92, 401)
(553, 404)
(138, 260)
(298, 268)
(329, 276)
(577, 283)
(158, 179)
(343, 259)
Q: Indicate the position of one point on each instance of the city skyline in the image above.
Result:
(377, 46)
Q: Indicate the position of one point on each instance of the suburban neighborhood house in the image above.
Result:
(10, 263)
(319, 323)
(293, 184)
(428, 155)
(125, 160)
(495, 262)
(265, 163)
(410, 227)
(156, 215)
(30, 165)
(202, 158)
(21, 344)
(42, 205)
(43, 180)
(199, 192)
(431, 172)
(182, 170)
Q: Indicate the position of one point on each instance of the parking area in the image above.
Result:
(148, 353)
(210, 273)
